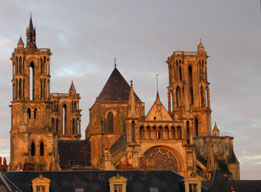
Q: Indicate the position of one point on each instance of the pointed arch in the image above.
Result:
(35, 113)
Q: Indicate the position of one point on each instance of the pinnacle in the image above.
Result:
(20, 42)
(72, 88)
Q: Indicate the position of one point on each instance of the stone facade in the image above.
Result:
(119, 134)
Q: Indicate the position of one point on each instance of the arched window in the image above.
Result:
(28, 113)
(64, 119)
(32, 81)
(190, 86)
(110, 122)
(41, 149)
(196, 127)
(32, 149)
(133, 131)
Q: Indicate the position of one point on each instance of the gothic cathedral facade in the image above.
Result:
(119, 134)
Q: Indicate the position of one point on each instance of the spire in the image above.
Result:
(131, 102)
(216, 131)
(201, 47)
(72, 89)
(115, 64)
(20, 42)
(30, 35)
(157, 97)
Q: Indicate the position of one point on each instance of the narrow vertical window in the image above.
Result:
(28, 113)
(178, 97)
(202, 97)
(188, 133)
(190, 86)
(32, 81)
(180, 73)
(133, 131)
(77, 126)
(41, 149)
(196, 127)
(53, 124)
(64, 119)
(110, 122)
(57, 125)
(35, 113)
(33, 149)
(20, 88)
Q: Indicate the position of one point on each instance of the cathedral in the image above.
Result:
(46, 127)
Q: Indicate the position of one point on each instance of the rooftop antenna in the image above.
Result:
(115, 61)
(157, 83)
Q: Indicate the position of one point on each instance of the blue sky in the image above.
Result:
(85, 35)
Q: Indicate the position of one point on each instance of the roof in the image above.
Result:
(221, 184)
(6, 185)
(75, 153)
(96, 181)
(116, 89)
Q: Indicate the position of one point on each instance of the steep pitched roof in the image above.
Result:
(158, 112)
(116, 88)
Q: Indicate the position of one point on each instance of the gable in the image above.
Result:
(158, 112)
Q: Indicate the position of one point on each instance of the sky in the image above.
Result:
(84, 36)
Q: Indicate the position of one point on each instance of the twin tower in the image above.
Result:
(39, 118)
(119, 134)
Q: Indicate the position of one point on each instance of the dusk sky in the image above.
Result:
(85, 35)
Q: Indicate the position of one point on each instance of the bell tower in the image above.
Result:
(188, 91)
(33, 142)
